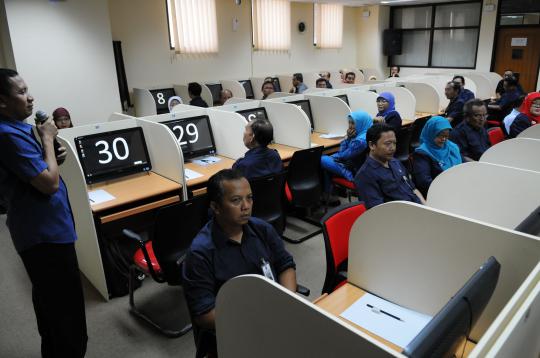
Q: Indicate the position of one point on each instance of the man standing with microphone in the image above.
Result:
(40, 220)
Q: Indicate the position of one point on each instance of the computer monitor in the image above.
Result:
(110, 155)
(306, 107)
(215, 89)
(194, 134)
(161, 98)
(277, 85)
(344, 98)
(450, 327)
(248, 88)
(253, 113)
(531, 224)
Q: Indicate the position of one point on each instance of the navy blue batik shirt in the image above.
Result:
(472, 142)
(258, 162)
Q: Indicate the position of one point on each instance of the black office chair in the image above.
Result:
(417, 127)
(303, 188)
(267, 199)
(403, 139)
(175, 227)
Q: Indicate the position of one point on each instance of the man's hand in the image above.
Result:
(47, 130)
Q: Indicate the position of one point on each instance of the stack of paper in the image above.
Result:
(99, 196)
(191, 174)
(332, 135)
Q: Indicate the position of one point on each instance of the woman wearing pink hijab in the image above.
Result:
(61, 118)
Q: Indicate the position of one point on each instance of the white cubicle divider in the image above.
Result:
(421, 266)
(274, 322)
(228, 131)
(183, 108)
(329, 114)
(118, 117)
(182, 91)
(279, 94)
(484, 88)
(494, 79)
(285, 82)
(310, 79)
(164, 157)
(144, 102)
(427, 97)
(256, 83)
(235, 87)
(492, 193)
(405, 100)
(514, 333)
(368, 72)
(360, 99)
(438, 82)
(531, 132)
(234, 100)
(520, 153)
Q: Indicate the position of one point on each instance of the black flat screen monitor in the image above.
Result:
(110, 155)
(531, 224)
(254, 113)
(344, 98)
(161, 98)
(277, 85)
(194, 135)
(215, 89)
(248, 88)
(450, 327)
(306, 107)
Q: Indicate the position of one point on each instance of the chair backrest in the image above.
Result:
(403, 139)
(175, 227)
(496, 135)
(337, 225)
(304, 177)
(417, 127)
(267, 199)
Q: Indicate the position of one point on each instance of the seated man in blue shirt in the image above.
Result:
(194, 91)
(464, 93)
(454, 111)
(382, 178)
(259, 160)
(298, 84)
(40, 221)
(232, 243)
(470, 135)
(510, 95)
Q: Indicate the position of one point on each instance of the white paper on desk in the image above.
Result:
(206, 160)
(99, 196)
(398, 332)
(332, 135)
(191, 174)
(314, 145)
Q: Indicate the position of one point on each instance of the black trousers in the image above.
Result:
(58, 299)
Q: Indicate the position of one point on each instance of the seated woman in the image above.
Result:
(267, 88)
(62, 118)
(529, 115)
(173, 101)
(435, 154)
(351, 152)
(386, 104)
(259, 160)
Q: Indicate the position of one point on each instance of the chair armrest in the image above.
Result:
(142, 245)
(304, 291)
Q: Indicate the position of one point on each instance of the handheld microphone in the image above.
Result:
(41, 117)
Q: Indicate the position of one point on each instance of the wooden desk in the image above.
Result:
(135, 194)
(198, 184)
(330, 145)
(285, 152)
(425, 114)
(342, 298)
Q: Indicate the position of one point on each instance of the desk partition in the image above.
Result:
(329, 114)
(426, 95)
(164, 157)
(523, 153)
(145, 102)
(405, 100)
(182, 91)
(495, 194)
(235, 87)
(362, 99)
(484, 88)
(531, 132)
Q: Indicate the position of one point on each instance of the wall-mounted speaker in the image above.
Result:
(392, 42)
(301, 26)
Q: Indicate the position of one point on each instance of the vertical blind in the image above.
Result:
(328, 32)
(271, 24)
(193, 26)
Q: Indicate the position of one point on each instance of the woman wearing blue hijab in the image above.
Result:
(386, 104)
(350, 157)
(435, 154)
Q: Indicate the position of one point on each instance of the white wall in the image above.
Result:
(369, 38)
(6, 53)
(64, 52)
(141, 25)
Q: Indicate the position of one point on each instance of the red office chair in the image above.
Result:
(349, 186)
(496, 135)
(336, 229)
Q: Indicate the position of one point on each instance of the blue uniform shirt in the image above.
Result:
(455, 110)
(472, 142)
(393, 119)
(466, 95)
(425, 169)
(33, 217)
(258, 162)
(213, 259)
(520, 123)
(377, 184)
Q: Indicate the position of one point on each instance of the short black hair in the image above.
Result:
(5, 75)
(321, 80)
(298, 77)
(375, 131)
(350, 73)
(460, 77)
(268, 81)
(455, 86)
(518, 101)
(263, 131)
(215, 183)
(468, 106)
(194, 88)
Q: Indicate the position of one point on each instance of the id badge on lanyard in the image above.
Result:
(266, 269)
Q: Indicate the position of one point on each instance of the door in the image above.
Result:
(518, 49)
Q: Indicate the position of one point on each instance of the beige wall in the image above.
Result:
(6, 53)
(369, 37)
(141, 25)
(64, 52)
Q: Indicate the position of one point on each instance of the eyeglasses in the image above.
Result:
(535, 105)
(480, 115)
(381, 100)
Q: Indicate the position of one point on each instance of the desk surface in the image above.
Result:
(134, 188)
(208, 171)
(327, 143)
(342, 298)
